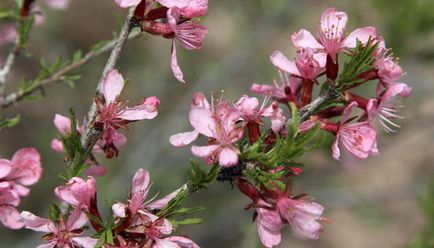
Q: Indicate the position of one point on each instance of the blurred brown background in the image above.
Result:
(373, 203)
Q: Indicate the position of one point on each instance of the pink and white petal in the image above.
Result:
(228, 157)
(140, 181)
(140, 112)
(5, 167)
(58, 4)
(395, 89)
(119, 210)
(10, 217)
(304, 39)
(127, 3)
(65, 194)
(306, 125)
(161, 203)
(201, 119)
(268, 237)
(183, 139)
(85, 242)
(280, 61)
(47, 245)
(204, 151)
(119, 140)
(164, 243)
(57, 145)
(361, 34)
(20, 190)
(183, 242)
(112, 85)
(36, 223)
(335, 148)
(96, 170)
(321, 58)
(176, 70)
(334, 21)
(26, 166)
(347, 112)
(269, 90)
(174, 3)
(76, 220)
(62, 123)
(372, 109)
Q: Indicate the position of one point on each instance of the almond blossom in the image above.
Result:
(287, 90)
(187, 8)
(63, 234)
(63, 125)
(359, 138)
(191, 36)
(113, 114)
(218, 123)
(78, 192)
(24, 169)
(332, 37)
(135, 217)
(384, 107)
(251, 112)
(185, 138)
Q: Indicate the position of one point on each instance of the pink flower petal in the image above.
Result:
(334, 21)
(182, 139)
(176, 70)
(85, 242)
(182, 242)
(335, 148)
(203, 151)
(112, 85)
(5, 167)
(76, 220)
(140, 181)
(304, 39)
(161, 203)
(127, 3)
(280, 61)
(10, 217)
(36, 223)
(202, 120)
(62, 123)
(228, 157)
(119, 210)
(26, 166)
(57, 145)
(361, 34)
(96, 170)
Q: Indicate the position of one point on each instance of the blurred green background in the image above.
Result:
(372, 203)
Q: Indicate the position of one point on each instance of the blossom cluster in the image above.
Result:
(23, 170)
(256, 145)
(135, 223)
(174, 20)
(237, 139)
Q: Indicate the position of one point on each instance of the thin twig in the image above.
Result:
(6, 69)
(91, 135)
(17, 96)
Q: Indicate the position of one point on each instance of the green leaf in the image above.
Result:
(54, 212)
(11, 122)
(77, 56)
(190, 221)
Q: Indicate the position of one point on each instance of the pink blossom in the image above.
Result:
(332, 36)
(9, 199)
(287, 90)
(388, 69)
(217, 123)
(358, 138)
(307, 65)
(62, 234)
(78, 192)
(191, 36)
(127, 3)
(187, 8)
(58, 4)
(137, 197)
(269, 225)
(250, 111)
(384, 107)
(185, 138)
(113, 114)
(24, 169)
(63, 125)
